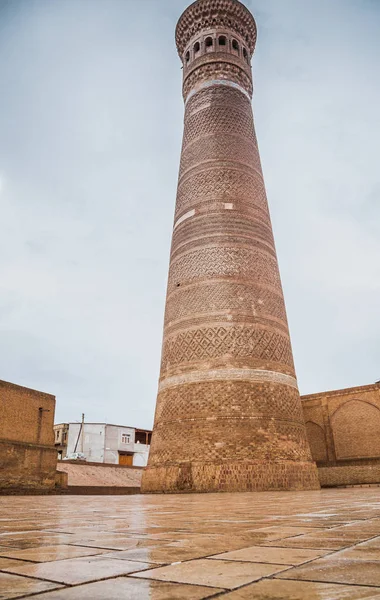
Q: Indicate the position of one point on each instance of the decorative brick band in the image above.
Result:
(187, 215)
(212, 82)
(231, 476)
(199, 16)
(230, 375)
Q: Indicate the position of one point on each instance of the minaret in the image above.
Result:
(228, 415)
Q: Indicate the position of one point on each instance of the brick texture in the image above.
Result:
(343, 428)
(91, 474)
(228, 415)
(27, 455)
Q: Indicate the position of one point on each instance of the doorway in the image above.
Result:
(125, 459)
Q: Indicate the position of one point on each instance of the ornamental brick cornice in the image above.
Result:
(209, 14)
(217, 57)
(372, 387)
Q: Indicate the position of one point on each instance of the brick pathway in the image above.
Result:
(270, 546)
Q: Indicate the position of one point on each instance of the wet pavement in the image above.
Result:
(269, 546)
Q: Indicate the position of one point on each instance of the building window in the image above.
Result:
(245, 54)
(187, 57)
(125, 438)
(235, 45)
(222, 40)
(209, 44)
(197, 47)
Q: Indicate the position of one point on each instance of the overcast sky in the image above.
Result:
(90, 134)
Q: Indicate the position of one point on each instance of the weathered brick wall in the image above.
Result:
(27, 466)
(349, 474)
(20, 416)
(28, 458)
(317, 441)
(343, 428)
(93, 474)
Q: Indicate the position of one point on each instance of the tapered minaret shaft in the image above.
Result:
(228, 414)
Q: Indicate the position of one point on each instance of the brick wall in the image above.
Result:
(343, 428)
(99, 474)
(27, 455)
(21, 418)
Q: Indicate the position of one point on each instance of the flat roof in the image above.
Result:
(27, 389)
(108, 425)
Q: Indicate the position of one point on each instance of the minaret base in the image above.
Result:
(254, 476)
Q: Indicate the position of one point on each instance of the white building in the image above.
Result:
(112, 444)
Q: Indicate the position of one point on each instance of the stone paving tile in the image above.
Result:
(214, 573)
(365, 551)
(346, 533)
(278, 533)
(182, 550)
(124, 588)
(162, 555)
(359, 572)
(215, 543)
(312, 543)
(13, 586)
(312, 523)
(245, 537)
(50, 553)
(279, 556)
(31, 539)
(110, 542)
(9, 562)
(301, 590)
(79, 570)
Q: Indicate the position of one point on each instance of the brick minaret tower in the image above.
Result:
(228, 414)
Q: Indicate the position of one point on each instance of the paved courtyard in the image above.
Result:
(269, 546)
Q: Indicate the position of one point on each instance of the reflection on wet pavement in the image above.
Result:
(270, 546)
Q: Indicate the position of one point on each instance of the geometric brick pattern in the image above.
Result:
(224, 295)
(221, 261)
(230, 147)
(228, 414)
(223, 435)
(221, 97)
(228, 184)
(220, 70)
(215, 342)
(218, 119)
(229, 399)
(220, 227)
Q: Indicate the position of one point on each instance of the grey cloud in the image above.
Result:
(90, 135)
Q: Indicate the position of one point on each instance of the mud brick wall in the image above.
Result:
(21, 418)
(27, 466)
(354, 474)
(99, 474)
(343, 428)
(28, 458)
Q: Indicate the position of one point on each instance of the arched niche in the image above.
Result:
(317, 441)
(356, 430)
